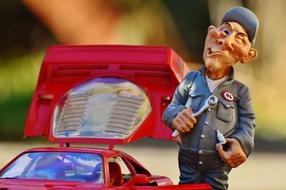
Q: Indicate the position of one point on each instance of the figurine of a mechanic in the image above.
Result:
(202, 158)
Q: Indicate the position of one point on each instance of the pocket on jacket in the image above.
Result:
(225, 111)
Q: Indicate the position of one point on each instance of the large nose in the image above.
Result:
(213, 32)
(226, 40)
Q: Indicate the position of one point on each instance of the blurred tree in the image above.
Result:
(79, 21)
(192, 20)
(20, 30)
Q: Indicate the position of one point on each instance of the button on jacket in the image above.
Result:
(233, 115)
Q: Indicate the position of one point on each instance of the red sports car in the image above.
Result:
(97, 94)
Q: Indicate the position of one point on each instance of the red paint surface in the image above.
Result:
(157, 70)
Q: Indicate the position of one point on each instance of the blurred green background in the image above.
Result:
(29, 26)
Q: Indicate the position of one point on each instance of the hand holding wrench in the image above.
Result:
(211, 102)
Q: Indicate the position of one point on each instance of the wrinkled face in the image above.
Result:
(227, 45)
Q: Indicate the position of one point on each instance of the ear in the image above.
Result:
(252, 54)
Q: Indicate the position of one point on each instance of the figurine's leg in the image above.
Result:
(187, 166)
(217, 178)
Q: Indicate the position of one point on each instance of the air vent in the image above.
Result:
(73, 111)
(143, 67)
(72, 71)
(123, 114)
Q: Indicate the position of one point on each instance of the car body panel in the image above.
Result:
(157, 70)
(57, 185)
(152, 181)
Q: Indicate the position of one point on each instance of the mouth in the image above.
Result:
(210, 52)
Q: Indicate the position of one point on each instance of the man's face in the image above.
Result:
(225, 46)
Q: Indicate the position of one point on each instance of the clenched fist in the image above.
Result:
(184, 121)
(234, 155)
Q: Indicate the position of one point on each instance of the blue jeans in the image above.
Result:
(199, 168)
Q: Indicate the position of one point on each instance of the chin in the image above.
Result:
(211, 66)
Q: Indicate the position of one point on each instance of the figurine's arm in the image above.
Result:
(241, 142)
(179, 100)
(244, 132)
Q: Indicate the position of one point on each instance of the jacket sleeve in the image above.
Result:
(244, 132)
(179, 99)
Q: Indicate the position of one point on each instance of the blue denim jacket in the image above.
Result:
(234, 118)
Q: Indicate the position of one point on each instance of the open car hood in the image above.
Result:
(104, 94)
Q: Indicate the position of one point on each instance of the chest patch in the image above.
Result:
(227, 96)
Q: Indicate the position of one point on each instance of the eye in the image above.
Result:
(240, 38)
(226, 31)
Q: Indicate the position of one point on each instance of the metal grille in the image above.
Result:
(123, 114)
(73, 112)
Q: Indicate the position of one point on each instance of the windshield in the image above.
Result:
(70, 166)
(101, 108)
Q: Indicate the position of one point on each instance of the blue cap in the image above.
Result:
(245, 17)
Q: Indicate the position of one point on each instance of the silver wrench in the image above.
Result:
(220, 137)
(211, 102)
